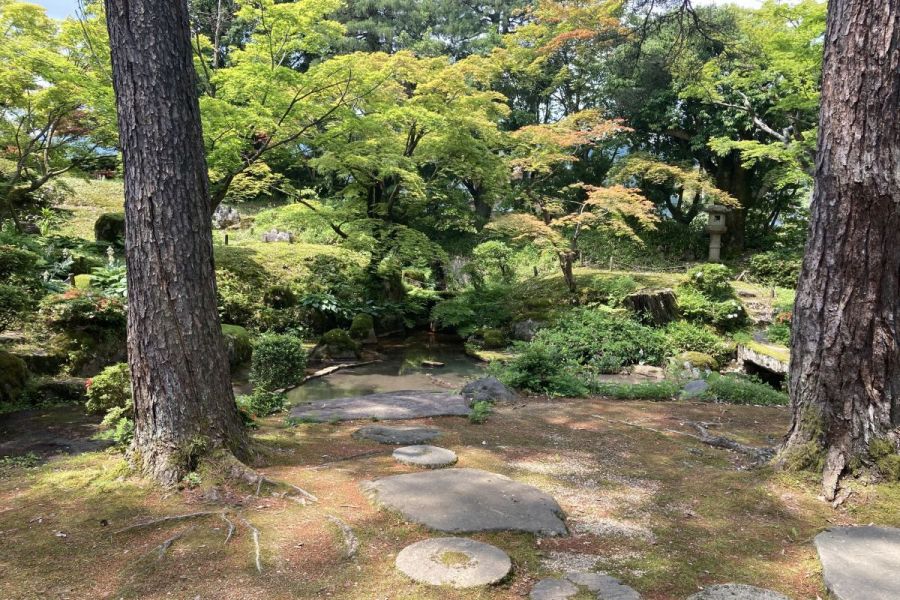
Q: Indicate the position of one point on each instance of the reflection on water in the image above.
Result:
(401, 369)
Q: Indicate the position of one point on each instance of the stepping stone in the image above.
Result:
(386, 406)
(385, 434)
(466, 500)
(736, 591)
(606, 587)
(861, 563)
(430, 457)
(453, 561)
(552, 589)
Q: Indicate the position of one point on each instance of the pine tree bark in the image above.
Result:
(184, 404)
(845, 359)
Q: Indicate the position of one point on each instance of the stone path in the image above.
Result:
(861, 563)
(599, 583)
(466, 500)
(736, 591)
(453, 561)
(385, 406)
(430, 457)
(397, 434)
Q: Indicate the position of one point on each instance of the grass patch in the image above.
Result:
(651, 390)
(732, 389)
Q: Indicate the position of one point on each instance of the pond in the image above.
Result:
(400, 369)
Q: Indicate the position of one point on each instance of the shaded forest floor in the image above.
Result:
(660, 510)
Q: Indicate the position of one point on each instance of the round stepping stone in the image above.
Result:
(453, 561)
(430, 457)
(736, 591)
(861, 563)
(385, 434)
(465, 500)
(552, 589)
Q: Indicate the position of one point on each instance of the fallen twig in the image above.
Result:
(230, 527)
(303, 493)
(328, 371)
(760, 455)
(351, 542)
(167, 519)
(255, 534)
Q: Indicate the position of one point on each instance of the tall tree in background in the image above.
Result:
(845, 354)
(184, 405)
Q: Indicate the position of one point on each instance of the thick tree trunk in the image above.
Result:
(184, 405)
(845, 359)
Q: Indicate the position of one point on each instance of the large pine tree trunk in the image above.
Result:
(845, 359)
(184, 405)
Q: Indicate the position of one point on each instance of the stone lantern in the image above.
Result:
(715, 226)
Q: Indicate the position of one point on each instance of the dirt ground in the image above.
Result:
(658, 509)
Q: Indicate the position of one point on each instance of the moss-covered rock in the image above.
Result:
(697, 360)
(110, 227)
(238, 344)
(363, 327)
(337, 344)
(13, 377)
(493, 339)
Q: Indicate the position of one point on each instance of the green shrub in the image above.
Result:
(83, 282)
(118, 426)
(607, 290)
(280, 296)
(540, 367)
(779, 332)
(734, 389)
(481, 410)
(474, 309)
(712, 280)
(363, 324)
(886, 458)
(491, 262)
(14, 303)
(262, 403)
(683, 336)
(776, 267)
(16, 262)
(278, 362)
(723, 314)
(111, 388)
(13, 377)
(493, 339)
(77, 309)
(238, 345)
(238, 302)
(338, 339)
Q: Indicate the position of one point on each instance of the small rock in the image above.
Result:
(430, 457)
(525, 330)
(453, 561)
(552, 589)
(736, 591)
(225, 216)
(649, 372)
(489, 389)
(693, 389)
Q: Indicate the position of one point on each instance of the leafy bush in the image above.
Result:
(566, 359)
(712, 280)
(278, 361)
(14, 302)
(77, 309)
(607, 290)
(238, 302)
(735, 389)
(688, 337)
(723, 314)
(491, 262)
(779, 332)
(118, 425)
(110, 280)
(16, 262)
(481, 410)
(474, 309)
(261, 403)
(280, 296)
(776, 267)
(237, 344)
(111, 388)
(493, 339)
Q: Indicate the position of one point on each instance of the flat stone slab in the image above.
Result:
(552, 589)
(605, 586)
(861, 563)
(466, 500)
(457, 562)
(736, 591)
(386, 406)
(430, 457)
(397, 434)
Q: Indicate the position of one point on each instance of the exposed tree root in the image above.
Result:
(342, 459)
(164, 547)
(351, 542)
(230, 528)
(203, 513)
(255, 535)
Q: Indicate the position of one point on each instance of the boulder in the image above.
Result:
(524, 331)
(653, 306)
(110, 228)
(487, 389)
(225, 216)
(336, 344)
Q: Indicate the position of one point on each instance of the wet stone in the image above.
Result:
(453, 561)
(861, 563)
(430, 457)
(468, 500)
(735, 591)
(386, 434)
